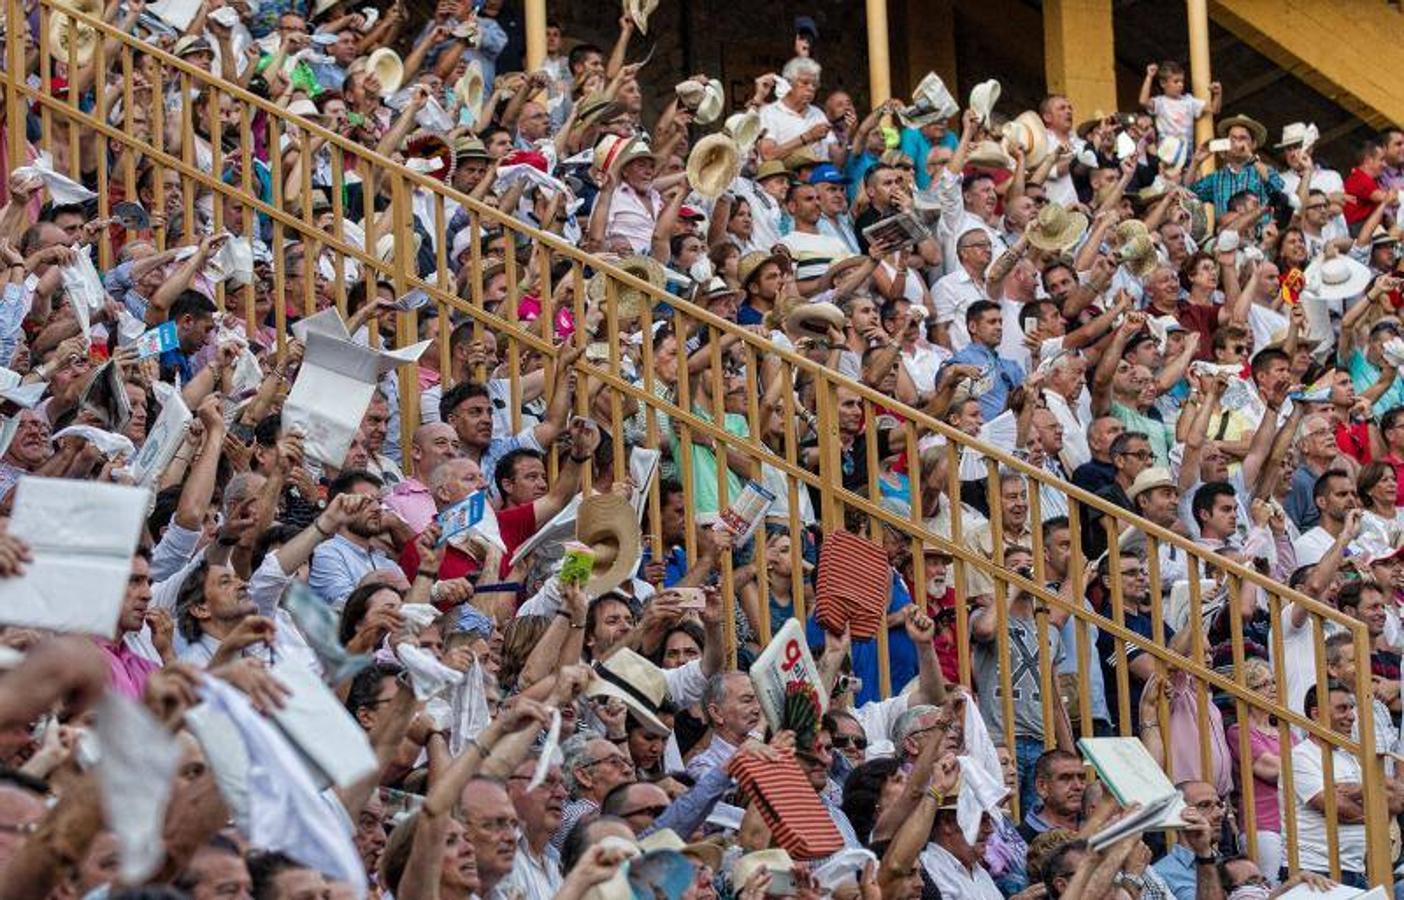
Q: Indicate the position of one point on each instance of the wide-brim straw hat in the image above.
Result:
(62, 27)
(713, 165)
(1057, 228)
(639, 11)
(988, 155)
(1337, 278)
(631, 301)
(1139, 256)
(815, 318)
(387, 67)
(633, 679)
(983, 98)
(744, 128)
(608, 524)
(1029, 132)
(1254, 127)
(471, 88)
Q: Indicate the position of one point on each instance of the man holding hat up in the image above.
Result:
(1241, 169)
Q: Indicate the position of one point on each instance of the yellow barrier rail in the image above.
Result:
(789, 429)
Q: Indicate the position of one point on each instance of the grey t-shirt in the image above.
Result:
(1025, 679)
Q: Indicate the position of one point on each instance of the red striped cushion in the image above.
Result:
(854, 585)
(798, 822)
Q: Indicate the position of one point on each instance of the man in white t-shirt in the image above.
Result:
(1309, 792)
(793, 123)
(1335, 496)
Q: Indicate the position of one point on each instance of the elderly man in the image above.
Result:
(793, 123)
(536, 869)
(490, 822)
(961, 286)
(593, 767)
(732, 710)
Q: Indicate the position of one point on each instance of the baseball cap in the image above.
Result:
(827, 173)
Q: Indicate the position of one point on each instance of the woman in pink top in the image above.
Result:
(1264, 747)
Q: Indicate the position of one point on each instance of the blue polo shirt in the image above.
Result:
(1005, 376)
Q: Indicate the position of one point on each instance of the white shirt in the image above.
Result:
(783, 124)
(765, 215)
(953, 295)
(1309, 781)
(1299, 655)
(1313, 545)
(956, 220)
(923, 363)
(1059, 188)
(633, 216)
(1329, 182)
(534, 880)
(953, 880)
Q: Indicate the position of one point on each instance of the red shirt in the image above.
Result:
(1360, 186)
(515, 524)
(1201, 319)
(1354, 440)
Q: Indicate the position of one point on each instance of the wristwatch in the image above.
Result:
(1126, 879)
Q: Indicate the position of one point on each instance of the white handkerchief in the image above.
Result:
(137, 762)
(548, 752)
(286, 811)
(470, 709)
(64, 191)
(429, 676)
(980, 792)
(418, 616)
(110, 444)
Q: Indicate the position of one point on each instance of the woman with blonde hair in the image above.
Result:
(1266, 753)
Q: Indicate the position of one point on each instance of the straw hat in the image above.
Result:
(639, 11)
(1254, 127)
(1131, 228)
(1298, 134)
(387, 67)
(1056, 228)
(769, 169)
(629, 677)
(468, 147)
(471, 88)
(815, 318)
(631, 300)
(931, 102)
(387, 244)
(667, 839)
(750, 264)
(1029, 132)
(613, 152)
(609, 525)
(1337, 278)
(713, 165)
(1154, 477)
(85, 37)
(983, 98)
(709, 107)
(1139, 256)
(1173, 153)
(715, 289)
(745, 128)
(988, 155)
(776, 860)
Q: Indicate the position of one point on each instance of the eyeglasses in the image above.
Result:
(618, 762)
(1207, 805)
(1139, 454)
(652, 812)
(905, 167)
(499, 825)
(844, 741)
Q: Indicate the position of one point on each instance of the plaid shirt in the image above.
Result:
(1222, 184)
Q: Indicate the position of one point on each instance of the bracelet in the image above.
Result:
(936, 795)
(425, 573)
(1210, 860)
(579, 460)
(317, 524)
(504, 587)
(569, 618)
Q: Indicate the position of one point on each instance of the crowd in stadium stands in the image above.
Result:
(319, 684)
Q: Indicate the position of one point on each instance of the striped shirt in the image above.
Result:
(1219, 186)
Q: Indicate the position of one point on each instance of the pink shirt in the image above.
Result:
(127, 671)
(632, 216)
(1265, 809)
(411, 501)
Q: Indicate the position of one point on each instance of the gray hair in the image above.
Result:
(573, 753)
(800, 66)
(715, 691)
(240, 488)
(907, 722)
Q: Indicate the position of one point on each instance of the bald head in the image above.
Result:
(432, 444)
(454, 479)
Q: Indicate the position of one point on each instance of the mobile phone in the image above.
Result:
(691, 598)
(1219, 145)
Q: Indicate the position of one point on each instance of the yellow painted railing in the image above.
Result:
(793, 437)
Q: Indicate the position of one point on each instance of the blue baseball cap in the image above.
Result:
(827, 173)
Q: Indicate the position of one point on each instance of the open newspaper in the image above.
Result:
(1132, 776)
(82, 535)
(335, 384)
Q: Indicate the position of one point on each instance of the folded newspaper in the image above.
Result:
(1132, 776)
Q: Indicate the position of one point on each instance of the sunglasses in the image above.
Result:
(844, 741)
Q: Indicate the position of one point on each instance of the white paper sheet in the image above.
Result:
(82, 535)
(139, 759)
(176, 13)
(334, 386)
(163, 437)
(332, 743)
(643, 469)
